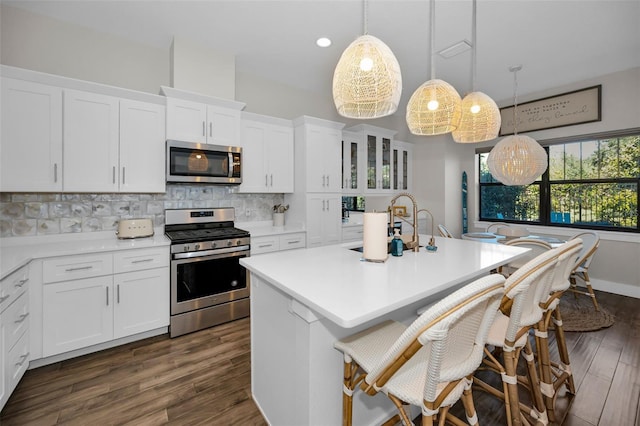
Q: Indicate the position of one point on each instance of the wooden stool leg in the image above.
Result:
(587, 282)
(347, 393)
(467, 402)
(561, 342)
(534, 384)
(544, 364)
(511, 380)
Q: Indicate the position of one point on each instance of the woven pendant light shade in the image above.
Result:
(517, 160)
(434, 109)
(480, 120)
(367, 82)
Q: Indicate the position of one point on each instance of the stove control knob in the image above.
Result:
(229, 243)
(185, 248)
(213, 245)
(197, 247)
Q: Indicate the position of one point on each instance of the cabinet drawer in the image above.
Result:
(13, 286)
(293, 241)
(17, 362)
(16, 320)
(137, 260)
(75, 267)
(265, 244)
(352, 233)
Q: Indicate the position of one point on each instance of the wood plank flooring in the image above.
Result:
(204, 379)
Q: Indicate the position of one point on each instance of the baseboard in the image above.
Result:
(611, 287)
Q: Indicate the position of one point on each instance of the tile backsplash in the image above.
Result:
(23, 214)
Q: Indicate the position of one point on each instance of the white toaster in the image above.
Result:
(134, 228)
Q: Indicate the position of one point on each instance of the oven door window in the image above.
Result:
(203, 277)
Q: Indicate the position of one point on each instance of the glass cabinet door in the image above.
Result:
(353, 180)
(386, 163)
(395, 169)
(372, 163)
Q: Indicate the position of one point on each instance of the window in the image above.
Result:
(591, 182)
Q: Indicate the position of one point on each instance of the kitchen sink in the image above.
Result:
(404, 248)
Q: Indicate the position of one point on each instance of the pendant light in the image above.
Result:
(517, 159)
(434, 108)
(367, 82)
(480, 120)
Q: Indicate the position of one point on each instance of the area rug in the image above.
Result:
(578, 314)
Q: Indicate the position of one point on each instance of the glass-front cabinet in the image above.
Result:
(377, 159)
(401, 166)
(352, 153)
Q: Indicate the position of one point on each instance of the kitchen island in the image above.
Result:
(302, 301)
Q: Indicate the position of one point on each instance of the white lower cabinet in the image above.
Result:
(352, 233)
(78, 313)
(277, 242)
(324, 219)
(14, 331)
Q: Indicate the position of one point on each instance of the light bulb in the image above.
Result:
(433, 105)
(198, 156)
(475, 108)
(366, 64)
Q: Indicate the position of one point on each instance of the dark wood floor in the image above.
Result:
(204, 379)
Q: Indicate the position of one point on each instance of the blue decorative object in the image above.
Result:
(396, 244)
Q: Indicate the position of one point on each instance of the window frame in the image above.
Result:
(546, 184)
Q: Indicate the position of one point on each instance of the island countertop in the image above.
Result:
(334, 282)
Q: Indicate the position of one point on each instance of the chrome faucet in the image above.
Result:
(432, 241)
(414, 244)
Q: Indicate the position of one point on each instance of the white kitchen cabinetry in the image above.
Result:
(90, 142)
(277, 242)
(14, 331)
(112, 144)
(95, 298)
(317, 155)
(402, 166)
(31, 141)
(352, 163)
(352, 233)
(324, 219)
(377, 158)
(142, 147)
(267, 154)
(192, 117)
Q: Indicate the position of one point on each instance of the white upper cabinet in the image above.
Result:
(402, 166)
(31, 141)
(318, 154)
(90, 142)
(192, 117)
(267, 154)
(142, 147)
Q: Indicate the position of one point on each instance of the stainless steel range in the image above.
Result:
(208, 284)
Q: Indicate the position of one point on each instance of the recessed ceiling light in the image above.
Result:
(323, 42)
(455, 49)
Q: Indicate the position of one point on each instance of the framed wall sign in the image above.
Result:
(567, 109)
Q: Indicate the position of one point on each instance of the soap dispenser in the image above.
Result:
(396, 243)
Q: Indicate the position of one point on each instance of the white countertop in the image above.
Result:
(335, 283)
(16, 252)
(265, 228)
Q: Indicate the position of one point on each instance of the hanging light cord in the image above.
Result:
(473, 50)
(432, 15)
(366, 18)
(514, 69)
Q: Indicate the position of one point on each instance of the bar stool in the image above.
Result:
(428, 364)
(553, 374)
(509, 336)
(591, 242)
(537, 248)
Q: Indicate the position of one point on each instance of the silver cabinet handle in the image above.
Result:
(123, 175)
(21, 318)
(23, 358)
(107, 289)
(266, 180)
(80, 268)
(293, 242)
(265, 245)
(118, 293)
(142, 260)
(55, 172)
(323, 176)
(328, 184)
(114, 174)
(3, 298)
(210, 129)
(203, 129)
(272, 180)
(22, 282)
(323, 205)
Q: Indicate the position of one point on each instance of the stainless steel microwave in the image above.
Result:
(189, 162)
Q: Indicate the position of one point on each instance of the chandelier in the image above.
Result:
(517, 159)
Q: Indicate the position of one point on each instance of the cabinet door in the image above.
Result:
(324, 167)
(142, 147)
(379, 164)
(280, 158)
(402, 157)
(332, 160)
(324, 224)
(90, 142)
(186, 121)
(223, 126)
(332, 220)
(316, 206)
(255, 177)
(351, 174)
(141, 301)
(31, 141)
(77, 314)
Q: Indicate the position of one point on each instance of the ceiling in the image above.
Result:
(557, 42)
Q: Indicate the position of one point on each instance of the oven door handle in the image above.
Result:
(235, 251)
